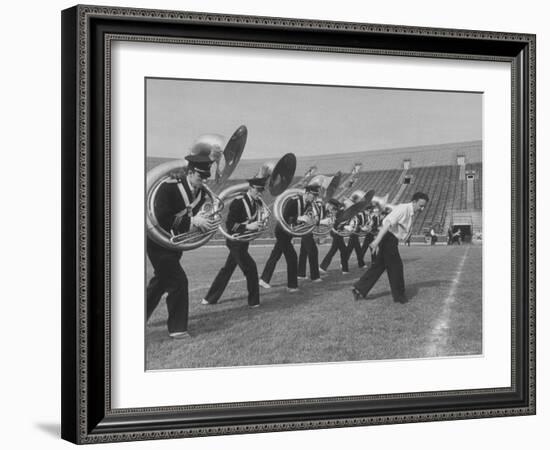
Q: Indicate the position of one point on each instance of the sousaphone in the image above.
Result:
(349, 213)
(280, 176)
(314, 212)
(224, 163)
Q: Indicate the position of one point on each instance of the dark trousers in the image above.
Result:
(308, 252)
(169, 277)
(387, 259)
(366, 242)
(355, 245)
(338, 244)
(283, 246)
(238, 256)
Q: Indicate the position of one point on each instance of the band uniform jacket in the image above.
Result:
(294, 208)
(360, 220)
(243, 210)
(175, 205)
(297, 207)
(375, 224)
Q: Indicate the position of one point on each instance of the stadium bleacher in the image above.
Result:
(432, 169)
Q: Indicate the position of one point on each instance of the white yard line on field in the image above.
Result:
(440, 333)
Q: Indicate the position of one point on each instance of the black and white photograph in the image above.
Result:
(302, 223)
(285, 224)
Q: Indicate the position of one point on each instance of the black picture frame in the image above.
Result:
(87, 416)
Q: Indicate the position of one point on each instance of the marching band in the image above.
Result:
(184, 213)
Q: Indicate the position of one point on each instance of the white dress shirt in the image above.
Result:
(400, 220)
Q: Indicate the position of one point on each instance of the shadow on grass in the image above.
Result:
(234, 311)
(411, 290)
(227, 313)
(214, 318)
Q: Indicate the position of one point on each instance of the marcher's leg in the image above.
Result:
(154, 294)
(291, 263)
(170, 278)
(220, 282)
(331, 252)
(368, 239)
(274, 257)
(174, 281)
(312, 254)
(354, 240)
(344, 255)
(394, 267)
(314, 261)
(177, 302)
(371, 276)
(248, 266)
(302, 259)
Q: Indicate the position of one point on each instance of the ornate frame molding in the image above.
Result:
(87, 422)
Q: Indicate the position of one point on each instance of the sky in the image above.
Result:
(304, 119)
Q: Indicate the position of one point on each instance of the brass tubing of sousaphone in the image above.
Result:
(278, 208)
(280, 177)
(349, 213)
(173, 170)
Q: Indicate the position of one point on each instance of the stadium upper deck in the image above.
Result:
(432, 169)
(425, 156)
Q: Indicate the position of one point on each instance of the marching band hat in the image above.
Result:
(205, 150)
(200, 164)
(261, 177)
(257, 181)
(357, 196)
(313, 186)
(334, 203)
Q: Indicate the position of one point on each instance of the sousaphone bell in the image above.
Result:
(224, 163)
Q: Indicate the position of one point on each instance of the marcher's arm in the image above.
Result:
(381, 232)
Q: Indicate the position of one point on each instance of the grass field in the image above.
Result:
(322, 323)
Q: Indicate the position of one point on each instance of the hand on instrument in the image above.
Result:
(253, 226)
(305, 219)
(327, 221)
(201, 222)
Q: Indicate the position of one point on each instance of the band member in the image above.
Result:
(242, 217)
(374, 222)
(338, 243)
(284, 246)
(357, 224)
(313, 210)
(177, 208)
(397, 225)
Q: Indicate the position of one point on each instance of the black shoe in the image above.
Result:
(356, 295)
(401, 300)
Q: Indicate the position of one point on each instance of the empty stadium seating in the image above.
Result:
(433, 170)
